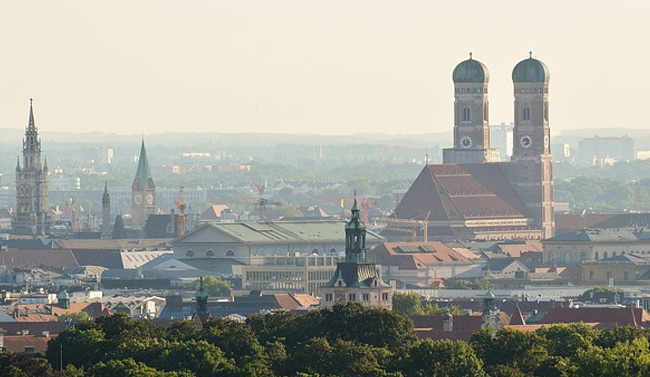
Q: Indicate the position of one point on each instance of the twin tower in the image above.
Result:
(530, 170)
(531, 134)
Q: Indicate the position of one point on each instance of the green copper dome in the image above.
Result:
(471, 71)
(530, 70)
(63, 295)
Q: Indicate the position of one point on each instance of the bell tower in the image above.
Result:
(106, 213)
(32, 215)
(471, 115)
(531, 171)
(143, 192)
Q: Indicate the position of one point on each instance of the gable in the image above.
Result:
(206, 234)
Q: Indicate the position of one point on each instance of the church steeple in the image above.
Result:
(143, 174)
(31, 126)
(355, 236)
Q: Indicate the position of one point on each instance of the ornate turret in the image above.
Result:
(355, 236)
(64, 299)
(356, 279)
(201, 299)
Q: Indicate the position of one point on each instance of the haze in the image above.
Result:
(328, 67)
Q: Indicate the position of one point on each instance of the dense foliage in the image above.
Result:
(343, 341)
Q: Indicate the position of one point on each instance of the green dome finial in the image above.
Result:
(530, 70)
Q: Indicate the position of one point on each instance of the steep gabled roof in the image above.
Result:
(454, 192)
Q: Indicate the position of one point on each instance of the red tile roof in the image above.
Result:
(618, 316)
(17, 343)
(417, 255)
(449, 192)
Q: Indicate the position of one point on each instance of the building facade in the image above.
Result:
(356, 279)
(143, 192)
(32, 216)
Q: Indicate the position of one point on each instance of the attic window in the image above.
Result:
(29, 349)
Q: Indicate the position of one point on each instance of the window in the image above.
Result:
(466, 115)
(596, 256)
(209, 253)
(526, 113)
(609, 275)
(625, 275)
(189, 253)
(591, 275)
(314, 251)
(366, 296)
(328, 297)
(352, 297)
(230, 253)
(384, 296)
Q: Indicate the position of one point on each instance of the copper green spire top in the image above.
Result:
(143, 174)
(355, 206)
(32, 125)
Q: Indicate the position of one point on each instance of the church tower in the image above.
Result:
(32, 216)
(531, 169)
(356, 279)
(471, 115)
(106, 213)
(143, 192)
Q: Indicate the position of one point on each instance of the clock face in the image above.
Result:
(525, 141)
(465, 141)
(149, 199)
(137, 199)
(546, 141)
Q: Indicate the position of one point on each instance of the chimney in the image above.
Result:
(24, 332)
(46, 334)
(447, 321)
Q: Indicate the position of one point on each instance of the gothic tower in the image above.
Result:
(471, 115)
(531, 168)
(356, 279)
(106, 213)
(32, 216)
(143, 192)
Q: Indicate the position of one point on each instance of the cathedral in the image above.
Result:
(143, 192)
(32, 216)
(473, 196)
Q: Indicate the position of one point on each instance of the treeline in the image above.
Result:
(343, 341)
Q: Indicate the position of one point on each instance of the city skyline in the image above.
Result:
(295, 67)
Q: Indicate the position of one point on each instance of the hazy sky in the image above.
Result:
(330, 67)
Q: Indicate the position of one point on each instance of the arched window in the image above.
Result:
(333, 251)
(605, 255)
(526, 113)
(613, 253)
(209, 253)
(296, 252)
(314, 251)
(466, 114)
(230, 253)
(596, 256)
(189, 253)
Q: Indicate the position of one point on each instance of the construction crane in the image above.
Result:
(181, 205)
(365, 204)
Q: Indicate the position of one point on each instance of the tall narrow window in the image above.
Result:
(526, 113)
(466, 115)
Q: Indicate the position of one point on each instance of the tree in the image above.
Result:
(77, 346)
(214, 286)
(443, 358)
(129, 368)
(75, 317)
(407, 303)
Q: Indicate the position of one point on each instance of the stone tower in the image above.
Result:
(356, 279)
(143, 192)
(531, 168)
(32, 216)
(106, 213)
(471, 115)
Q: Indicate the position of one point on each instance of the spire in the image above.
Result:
(106, 197)
(45, 168)
(355, 236)
(143, 173)
(18, 164)
(355, 207)
(31, 127)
